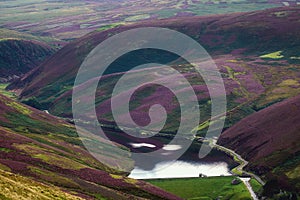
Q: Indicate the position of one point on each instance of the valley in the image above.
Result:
(50, 150)
(46, 149)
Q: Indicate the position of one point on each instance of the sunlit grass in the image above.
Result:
(13, 186)
(4, 92)
(51, 157)
(204, 188)
(295, 173)
(274, 55)
(289, 82)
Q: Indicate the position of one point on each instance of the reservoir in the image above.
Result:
(182, 169)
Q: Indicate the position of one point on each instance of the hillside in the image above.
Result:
(242, 45)
(257, 54)
(18, 187)
(8, 33)
(72, 19)
(42, 154)
(21, 52)
(18, 56)
(269, 139)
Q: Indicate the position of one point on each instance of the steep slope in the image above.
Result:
(242, 45)
(18, 56)
(47, 150)
(13, 186)
(258, 32)
(269, 139)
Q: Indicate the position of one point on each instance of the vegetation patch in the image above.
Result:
(114, 176)
(295, 173)
(14, 186)
(274, 55)
(9, 94)
(137, 18)
(5, 168)
(289, 82)
(53, 177)
(50, 157)
(256, 186)
(6, 150)
(20, 108)
(204, 188)
(131, 181)
(110, 26)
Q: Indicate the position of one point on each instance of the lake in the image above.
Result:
(181, 169)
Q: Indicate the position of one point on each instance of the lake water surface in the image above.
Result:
(181, 169)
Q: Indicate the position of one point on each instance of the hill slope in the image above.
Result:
(13, 186)
(8, 33)
(47, 150)
(72, 19)
(18, 56)
(242, 45)
(269, 139)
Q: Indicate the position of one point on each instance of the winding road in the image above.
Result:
(240, 169)
(242, 162)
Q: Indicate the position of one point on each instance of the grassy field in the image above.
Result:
(256, 186)
(204, 188)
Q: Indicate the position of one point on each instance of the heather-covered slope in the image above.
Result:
(46, 149)
(256, 56)
(269, 139)
(255, 32)
(72, 19)
(19, 56)
(14, 186)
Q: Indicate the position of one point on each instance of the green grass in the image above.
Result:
(274, 55)
(110, 26)
(5, 92)
(204, 188)
(24, 124)
(256, 186)
(5, 150)
(236, 171)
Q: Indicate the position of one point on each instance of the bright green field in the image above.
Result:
(256, 186)
(204, 188)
